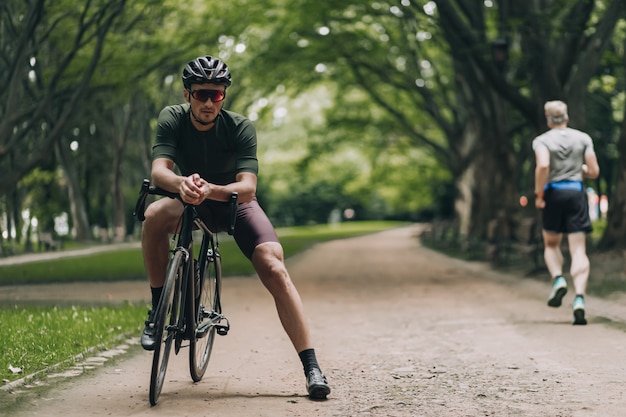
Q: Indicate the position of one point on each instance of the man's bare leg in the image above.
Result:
(161, 218)
(554, 262)
(268, 260)
(580, 273)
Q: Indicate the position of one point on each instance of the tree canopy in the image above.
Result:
(402, 109)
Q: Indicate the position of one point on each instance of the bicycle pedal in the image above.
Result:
(222, 329)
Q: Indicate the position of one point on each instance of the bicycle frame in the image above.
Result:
(186, 321)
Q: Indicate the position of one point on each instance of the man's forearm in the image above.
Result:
(541, 177)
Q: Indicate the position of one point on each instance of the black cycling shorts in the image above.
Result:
(252, 226)
(566, 211)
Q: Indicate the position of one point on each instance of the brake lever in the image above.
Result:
(140, 207)
(233, 213)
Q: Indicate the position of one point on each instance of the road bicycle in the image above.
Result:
(189, 313)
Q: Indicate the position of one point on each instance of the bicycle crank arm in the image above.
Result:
(222, 329)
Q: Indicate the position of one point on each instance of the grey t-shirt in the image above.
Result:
(568, 148)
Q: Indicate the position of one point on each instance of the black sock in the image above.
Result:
(580, 295)
(156, 296)
(309, 361)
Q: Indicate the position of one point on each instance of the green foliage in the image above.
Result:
(356, 103)
(323, 157)
(599, 226)
(355, 128)
(44, 197)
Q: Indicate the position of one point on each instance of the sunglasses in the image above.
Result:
(204, 95)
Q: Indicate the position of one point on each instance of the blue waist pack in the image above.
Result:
(564, 185)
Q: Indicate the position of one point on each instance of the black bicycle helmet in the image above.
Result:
(206, 69)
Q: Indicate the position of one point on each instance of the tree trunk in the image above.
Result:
(615, 232)
(77, 203)
(122, 128)
(486, 183)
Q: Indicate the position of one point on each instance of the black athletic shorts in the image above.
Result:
(566, 211)
(252, 226)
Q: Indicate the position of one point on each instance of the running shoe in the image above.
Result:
(559, 289)
(316, 385)
(579, 311)
(148, 340)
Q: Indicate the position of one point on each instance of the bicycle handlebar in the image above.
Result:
(147, 189)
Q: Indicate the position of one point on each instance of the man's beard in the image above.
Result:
(197, 119)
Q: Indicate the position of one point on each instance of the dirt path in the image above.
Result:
(400, 331)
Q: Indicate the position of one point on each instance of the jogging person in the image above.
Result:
(215, 152)
(564, 156)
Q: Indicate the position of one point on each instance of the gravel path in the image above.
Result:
(400, 331)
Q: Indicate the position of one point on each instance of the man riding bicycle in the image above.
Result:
(215, 152)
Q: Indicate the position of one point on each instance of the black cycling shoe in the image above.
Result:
(317, 385)
(148, 341)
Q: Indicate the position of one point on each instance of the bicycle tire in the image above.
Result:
(208, 309)
(166, 319)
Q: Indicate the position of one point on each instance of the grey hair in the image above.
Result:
(556, 112)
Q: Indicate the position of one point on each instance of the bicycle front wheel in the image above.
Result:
(208, 314)
(166, 320)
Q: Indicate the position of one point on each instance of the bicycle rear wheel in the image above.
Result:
(208, 314)
(166, 319)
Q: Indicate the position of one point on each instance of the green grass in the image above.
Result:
(128, 264)
(115, 265)
(36, 337)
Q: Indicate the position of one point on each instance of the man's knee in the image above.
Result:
(161, 215)
(552, 240)
(268, 262)
(268, 253)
